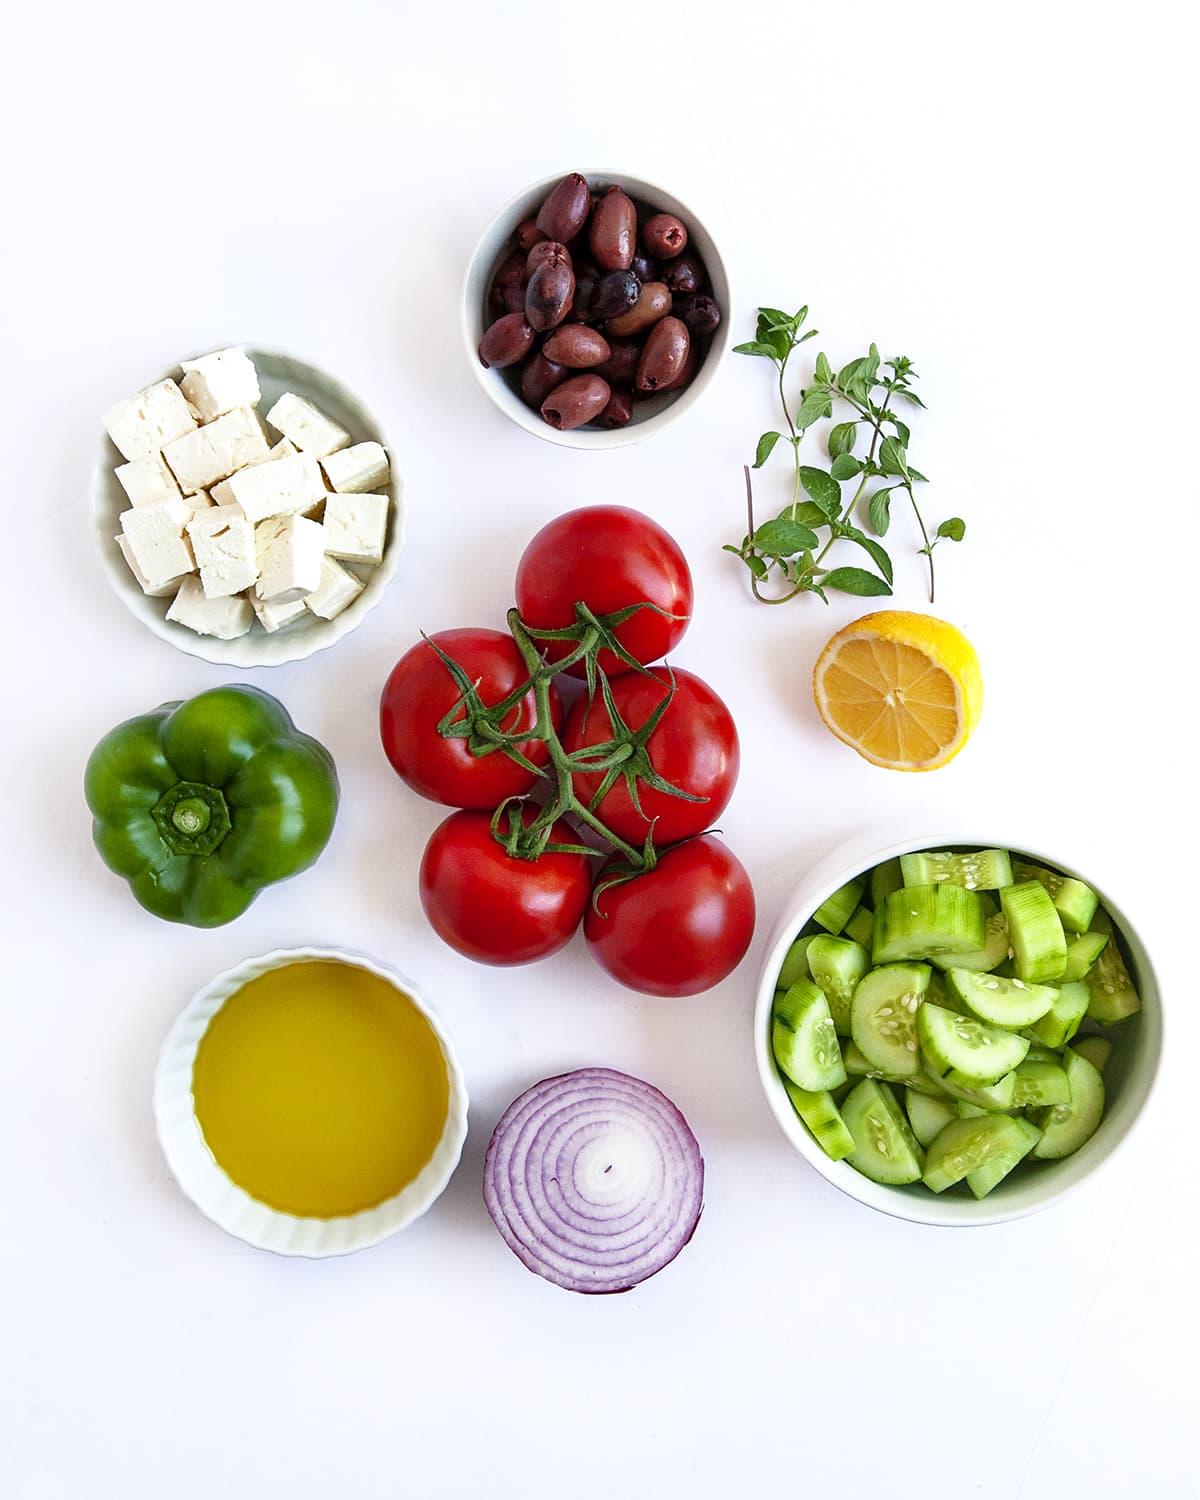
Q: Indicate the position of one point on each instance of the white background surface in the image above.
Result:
(998, 192)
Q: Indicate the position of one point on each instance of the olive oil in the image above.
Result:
(320, 1089)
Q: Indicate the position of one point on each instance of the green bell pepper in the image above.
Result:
(200, 804)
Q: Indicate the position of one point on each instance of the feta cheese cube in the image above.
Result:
(223, 541)
(357, 469)
(286, 486)
(290, 551)
(311, 430)
(273, 616)
(225, 618)
(356, 526)
(147, 480)
(162, 590)
(217, 383)
(156, 540)
(150, 420)
(217, 450)
(283, 449)
(338, 587)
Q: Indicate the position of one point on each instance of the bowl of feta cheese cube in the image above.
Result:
(247, 507)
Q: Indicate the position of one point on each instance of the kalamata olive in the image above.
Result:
(581, 307)
(574, 345)
(507, 291)
(644, 268)
(689, 369)
(700, 313)
(576, 402)
(653, 303)
(549, 295)
(509, 339)
(618, 411)
(539, 376)
(565, 211)
(665, 236)
(621, 365)
(547, 250)
(612, 234)
(664, 355)
(528, 235)
(615, 293)
(685, 273)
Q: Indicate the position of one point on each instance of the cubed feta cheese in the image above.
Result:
(150, 420)
(216, 383)
(288, 486)
(338, 587)
(283, 449)
(156, 539)
(147, 480)
(355, 470)
(355, 527)
(223, 541)
(311, 430)
(217, 450)
(274, 616)
(225, 618)
(290, 552)
(163, 589)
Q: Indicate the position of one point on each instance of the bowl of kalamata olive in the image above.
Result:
(596, 309)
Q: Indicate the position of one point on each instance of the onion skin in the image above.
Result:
(594, 1180)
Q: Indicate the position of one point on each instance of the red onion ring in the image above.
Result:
(594, 1179)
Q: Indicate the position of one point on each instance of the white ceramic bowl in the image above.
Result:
(648, 416)
(219, 1197)
(276, 373)
(1128, 1077)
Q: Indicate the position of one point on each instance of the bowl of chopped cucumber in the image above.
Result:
(955, 1032)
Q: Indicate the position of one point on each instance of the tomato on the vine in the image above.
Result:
(679, 928)
(494, 908)
(420, 692)
(607, 557)
(694, 746)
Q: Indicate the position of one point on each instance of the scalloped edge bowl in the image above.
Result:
(650, 416)
(1129, 1077)
(219, 1198)
(277, 372)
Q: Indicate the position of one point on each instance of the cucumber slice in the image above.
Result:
(928, 922)
(795, 964)
(837, 964)
(1035, 933)
(965, 1111)
(885, 1149)
(977, 870)
(883, 1015)
(995, 948)
(1001, 1002)
(857, 1066)
(1082, 953)
(1111, 994)
(804, 1040)
(1065, 1127)
(983, 1179)
(1061, 1021)
(1038, 1053)
(926, 1114)
(860, 926)
(1074, 901)
(1041, 1083)
(1097, 1050)
(823, 1119)
(965, 1146)
(965, 1052)
(885, 879)
(997, 1098)
(836, 911)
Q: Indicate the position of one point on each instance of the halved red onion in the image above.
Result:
(594, 1179)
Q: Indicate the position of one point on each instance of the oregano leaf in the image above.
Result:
(954, 528)
(841, 438)
(823, 488)
(783, 538)
(856, 581)
(824, 370)
(879, 511)
(845, 466)
(816, 404)
(892, 458)
(765, 445)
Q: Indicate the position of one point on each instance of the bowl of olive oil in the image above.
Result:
(309, 1102)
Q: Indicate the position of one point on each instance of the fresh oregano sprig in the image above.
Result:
(788, 553)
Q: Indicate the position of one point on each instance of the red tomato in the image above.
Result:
(420, 692)
(694, 746)
(496, 909)
(607, 557)
(680, 928)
